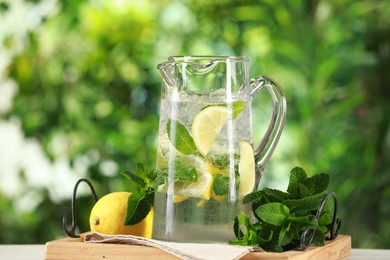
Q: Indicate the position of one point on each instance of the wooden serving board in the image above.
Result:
(75, 248)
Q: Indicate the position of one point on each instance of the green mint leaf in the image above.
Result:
(305, 205)
(238, 107)
(272, 232)
(286, 234)
(273, 213)
(135, 178)
(159, 180)
(246, 232)
(327, 213)
(309, 221)
(253, 197)
(144, 207)
(273, 195)
(303, 191)
(326, 218)
(185, 172)
(296, 187)
(243, 220)
(318, 239)
(138, 207)
(323, 229)
(265, 195)
(318, 183)
(180, 137)
(221, 184)
(220, 161)
(144, 173)
(142, 170)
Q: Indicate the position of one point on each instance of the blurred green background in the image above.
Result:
(79, 97)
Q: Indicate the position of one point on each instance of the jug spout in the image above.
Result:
(167, 72)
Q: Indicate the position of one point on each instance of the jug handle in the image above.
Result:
(267, 145)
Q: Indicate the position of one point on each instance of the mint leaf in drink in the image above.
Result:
(238, 107)
(220, 185)
(185, 171)
(180, 137)
(220, 161)
(283, 216)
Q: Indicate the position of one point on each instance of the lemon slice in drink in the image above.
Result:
(179, 198)
(207, 125)
(199, 189)
(246, 169)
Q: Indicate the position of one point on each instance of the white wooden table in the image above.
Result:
(37, 252)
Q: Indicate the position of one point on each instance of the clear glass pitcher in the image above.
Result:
(205, 147)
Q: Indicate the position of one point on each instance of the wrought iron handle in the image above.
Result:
(333, 233)
(71, 232)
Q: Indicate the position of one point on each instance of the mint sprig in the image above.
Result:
(283, 216)
(145, 183)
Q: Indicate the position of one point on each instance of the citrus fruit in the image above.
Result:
(109, 213)
(246, 169)
(207, 125)
(184, 189)
(179, 198)
(200, 189)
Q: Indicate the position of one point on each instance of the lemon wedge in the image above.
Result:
(207, 125)
(246, 169)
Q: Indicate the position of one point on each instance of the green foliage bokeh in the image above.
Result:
(88, 74)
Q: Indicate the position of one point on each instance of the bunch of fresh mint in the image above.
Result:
(283, 216)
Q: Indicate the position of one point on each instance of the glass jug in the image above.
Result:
(205, 146)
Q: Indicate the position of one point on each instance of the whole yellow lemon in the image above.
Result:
(109, 213)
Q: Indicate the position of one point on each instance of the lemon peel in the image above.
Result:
(109, 213)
